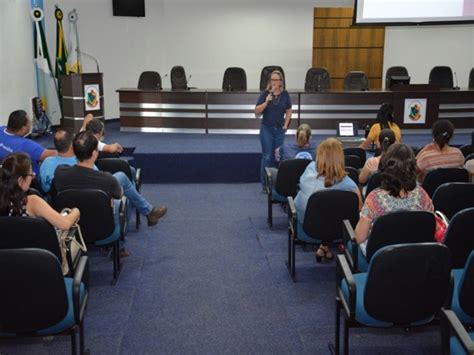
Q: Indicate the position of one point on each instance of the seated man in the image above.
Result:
(97, 127)
(12, 139)
(84, 176)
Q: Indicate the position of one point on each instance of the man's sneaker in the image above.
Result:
(155, 215)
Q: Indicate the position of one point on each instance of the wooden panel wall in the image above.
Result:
(342, 48)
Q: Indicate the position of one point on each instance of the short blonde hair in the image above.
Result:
(330, 161)
(303, 134)
(277, 72)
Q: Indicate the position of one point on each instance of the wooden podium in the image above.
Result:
(81, 94)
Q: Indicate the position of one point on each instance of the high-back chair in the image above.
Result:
(317, 79)
(353, 161)
(467, 150)
(452, 197)
(97, 219)
(437, 177)
(394, 71)
(323, 220)
(442, 76)
(471, 79)
(178, 78)
(150, 80)
(113, 165)
(393, 228)
(234, 79)
(357, 152)
(37, 300)
(353, 173)
(405, 285)
(375, 180)
(459, 237)
(287, 180)
(266, 73)
(356, 81)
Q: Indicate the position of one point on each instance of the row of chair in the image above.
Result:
(317, 79)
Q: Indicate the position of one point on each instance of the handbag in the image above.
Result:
(70, 244)
(442, 224)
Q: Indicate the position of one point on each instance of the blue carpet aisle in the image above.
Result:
(210, 278)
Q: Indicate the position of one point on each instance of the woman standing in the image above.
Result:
(275, 105)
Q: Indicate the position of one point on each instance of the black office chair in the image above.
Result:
(467, 150)
(353, 161)
(452, 197)
(401, 227)
(442, 76)
(394, 71)
(353, 173)
(287, 180)
(113, 165)
(406, 285)
(149, 80)
(317, 79)
(356, 151)
(459, 237)
(97, 219)
(178, 78)
(356, 81)
(437, 177)
(235, 79)
(471, 79)
(266, 73)
(375, 180)
(37, 300)
(323, 220)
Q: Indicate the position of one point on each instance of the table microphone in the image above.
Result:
(79, 52)
(187, 82)
(456, 78)
(158, 86)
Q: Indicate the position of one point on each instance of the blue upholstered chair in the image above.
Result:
(459, 237)
(36, 300)
(405, 285)
(452, 197)
(437, 177)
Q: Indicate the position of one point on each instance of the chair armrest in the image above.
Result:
(343, 272)
(292, 218)
(76, 288)
(451, 322)
(348, 235)
(268, 181)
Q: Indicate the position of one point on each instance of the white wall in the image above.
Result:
(207, 36)
(17, 73)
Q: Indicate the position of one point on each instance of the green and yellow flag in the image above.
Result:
(62, 67)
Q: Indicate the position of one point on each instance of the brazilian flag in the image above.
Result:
(61, 50)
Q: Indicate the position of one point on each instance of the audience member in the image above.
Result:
(384, 120)
(97, 127)
(398, 191)
(328, 172)
(16, 175)
(83, 176)
(302, 149)
(439, 154)
(12, 139)
(386, 139)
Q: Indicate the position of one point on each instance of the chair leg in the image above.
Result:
(270, 210)
(81, 338)
(338, 326)
(137, 219)
(73, 342)
(293, 263)
(288, 261)
(346, 337)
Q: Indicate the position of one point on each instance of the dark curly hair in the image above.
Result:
(12, 197)
(398, 169)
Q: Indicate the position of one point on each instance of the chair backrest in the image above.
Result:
(437, 177)
(33, 293)
(97, 216)
(356, 151)
(466, 294)
(375, 180)
(401, 227)
(356, 81)
(353, 173)
(442, 76)
(150, 80)
(317, 79)
(265, 75)
(28, 232)
(353, 160)
(407, 283)
(234, 79)
(467, 150)
(459, 237)
(325, 211)
(452, 197)
(113, 165)
(288, 176)
(471, 79)
(394, 71)
(178, 78)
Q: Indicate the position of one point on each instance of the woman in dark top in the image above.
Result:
(275, 105)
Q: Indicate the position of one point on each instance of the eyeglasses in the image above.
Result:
(275, 79)
(32, 175)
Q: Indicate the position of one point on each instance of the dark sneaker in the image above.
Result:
(155, 215)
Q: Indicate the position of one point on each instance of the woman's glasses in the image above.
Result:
(32, 175)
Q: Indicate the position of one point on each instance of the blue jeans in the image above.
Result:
(270, 138)
(133, 196)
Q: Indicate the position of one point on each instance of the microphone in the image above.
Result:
(159, 86)
(187, 82)
(79, 52)
(456, 78)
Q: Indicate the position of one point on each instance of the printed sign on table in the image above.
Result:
(415, 111)
(92, 97)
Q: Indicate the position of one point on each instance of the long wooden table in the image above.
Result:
(215, 111)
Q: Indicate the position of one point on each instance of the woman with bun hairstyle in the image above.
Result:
(303, 148)
(16, 175)
(439, 154)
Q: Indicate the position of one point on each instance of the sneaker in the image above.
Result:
(124, 253)
(155, 215)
